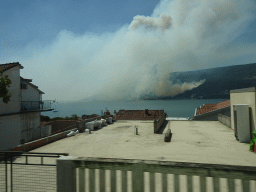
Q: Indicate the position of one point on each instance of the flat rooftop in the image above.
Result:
(192, 141)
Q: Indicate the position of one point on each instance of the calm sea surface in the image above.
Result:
(173, 108)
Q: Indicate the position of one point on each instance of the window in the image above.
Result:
(23, 86)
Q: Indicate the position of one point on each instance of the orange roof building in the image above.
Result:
(210, 111)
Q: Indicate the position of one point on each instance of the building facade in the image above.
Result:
(20, 117)
(247, 98)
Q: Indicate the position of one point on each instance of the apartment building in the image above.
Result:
(20, 117)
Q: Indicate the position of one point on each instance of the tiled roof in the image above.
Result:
(138, 114)
(7, 66)
(212, 107)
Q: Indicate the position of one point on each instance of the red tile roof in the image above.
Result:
(7, 66)
(212, 107)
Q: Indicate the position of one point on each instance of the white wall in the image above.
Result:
(10, 134)
(30, 94)
(31, 97)
(245, 97)
(15, 101)
(30, 126)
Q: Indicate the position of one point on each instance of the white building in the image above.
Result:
(243, 113)
(20, 117)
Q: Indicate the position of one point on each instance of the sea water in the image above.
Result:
(173, 108)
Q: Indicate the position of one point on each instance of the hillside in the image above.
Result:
(218, 81)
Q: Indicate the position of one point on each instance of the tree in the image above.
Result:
(5, 82)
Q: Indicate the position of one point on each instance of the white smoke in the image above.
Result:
(163, 22)
(136, 60)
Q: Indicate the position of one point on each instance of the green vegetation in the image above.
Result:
(44, 118)
(5, 82)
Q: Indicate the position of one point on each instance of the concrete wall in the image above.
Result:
(224, 120)
(30, 120)
(40, 142)
(35, 133)
(10, 134)
(62, 125)
(15, 101)
(159, 122)
(243, 96)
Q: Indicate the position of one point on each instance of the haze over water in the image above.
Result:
(173, 108)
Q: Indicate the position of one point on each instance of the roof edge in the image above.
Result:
(249, 89)
(210, 112)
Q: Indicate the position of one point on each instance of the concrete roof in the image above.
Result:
(192, 141)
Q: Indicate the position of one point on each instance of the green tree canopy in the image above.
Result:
(5, 82)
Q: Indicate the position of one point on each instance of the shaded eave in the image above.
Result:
(28, 81)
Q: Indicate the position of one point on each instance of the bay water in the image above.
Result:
(173, 108)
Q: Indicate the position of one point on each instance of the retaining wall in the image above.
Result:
(159, 122)
(224, 120)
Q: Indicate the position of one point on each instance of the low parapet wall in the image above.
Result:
(159, 122)
(43, 141)
(81, 124)
(224, 120)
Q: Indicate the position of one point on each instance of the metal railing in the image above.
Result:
(26, 171)
(71, 175)
(36, 105)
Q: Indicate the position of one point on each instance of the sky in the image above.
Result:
(119, 50)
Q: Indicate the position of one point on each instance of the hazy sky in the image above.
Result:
(73, 49)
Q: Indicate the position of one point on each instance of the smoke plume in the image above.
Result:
(136, 60)
(163, 22)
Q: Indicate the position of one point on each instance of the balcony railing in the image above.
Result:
(71, 174)
(36, 105)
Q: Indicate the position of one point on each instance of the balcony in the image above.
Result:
(71, 175)
(36, 105)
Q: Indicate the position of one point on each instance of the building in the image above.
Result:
(20, 117)
(243, 109)
(210, 112)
